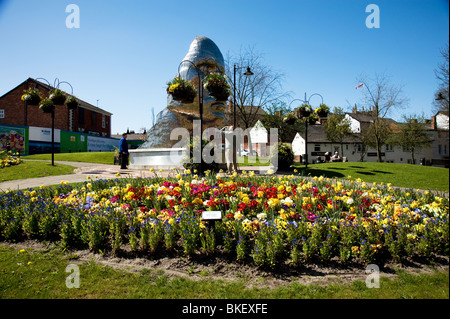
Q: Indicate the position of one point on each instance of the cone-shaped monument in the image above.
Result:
(206, 56)
(202, 58)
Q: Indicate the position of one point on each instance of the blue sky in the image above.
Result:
(125, 51)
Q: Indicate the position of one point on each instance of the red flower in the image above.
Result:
(144, 209)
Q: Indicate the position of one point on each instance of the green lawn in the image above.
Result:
(31, 169)
(253, 161)
(401, 175)
(87, 157)
(42, 274)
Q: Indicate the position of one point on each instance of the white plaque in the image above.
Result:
(212, 215)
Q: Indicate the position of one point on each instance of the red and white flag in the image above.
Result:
(358, 86)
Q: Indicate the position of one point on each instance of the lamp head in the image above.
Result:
(248, 72)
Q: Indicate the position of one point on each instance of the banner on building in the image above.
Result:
(13, 138)
(101, 144)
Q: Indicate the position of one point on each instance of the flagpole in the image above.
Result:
(364, 92)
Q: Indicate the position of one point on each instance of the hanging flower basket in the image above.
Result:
(32, 96)
(322, 110)
(58, 97)
(305, 110)
(181, 90)
(289, 119)
(47, 105)
(71, 102)
(312, 119)
(217, 86)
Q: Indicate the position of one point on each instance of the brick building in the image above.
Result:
(86, 118)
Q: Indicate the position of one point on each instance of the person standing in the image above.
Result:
(123, 151)
(230, 148)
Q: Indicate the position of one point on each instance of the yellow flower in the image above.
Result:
(22, 251)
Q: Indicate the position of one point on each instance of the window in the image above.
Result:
(440, 149)
(2, 114)
(93, 118)
(317, 148)
(103, 121)
(445, 149)
(80, 115)
(389, 148)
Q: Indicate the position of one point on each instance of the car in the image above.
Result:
(244, 152)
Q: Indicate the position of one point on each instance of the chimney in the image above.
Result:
(433, 123)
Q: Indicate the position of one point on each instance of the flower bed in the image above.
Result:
(8, 159)
(266, 220)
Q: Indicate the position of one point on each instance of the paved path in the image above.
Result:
(83, 170)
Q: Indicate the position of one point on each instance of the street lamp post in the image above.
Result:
(55, 85)
(200, 104)
(247, 73)
(306, 101)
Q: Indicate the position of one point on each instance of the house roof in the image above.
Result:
(362, 117)
(82, 103)
(316, 134)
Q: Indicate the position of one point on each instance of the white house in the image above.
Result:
(352, 148)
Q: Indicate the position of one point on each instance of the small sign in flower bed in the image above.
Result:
(266, 220)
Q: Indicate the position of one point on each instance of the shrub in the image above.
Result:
(282, 156)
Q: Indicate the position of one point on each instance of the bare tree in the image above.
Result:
(337, 127)
(382, 98)
(258, 91)
(441, 96)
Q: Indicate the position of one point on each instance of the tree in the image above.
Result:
(412, 135)
(260, 90)
(441, 96)
(382, 98)
(337, 127)
(274, 118)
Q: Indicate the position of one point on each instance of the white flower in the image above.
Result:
(261, 216)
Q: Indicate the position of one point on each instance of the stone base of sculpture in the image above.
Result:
(157, 158)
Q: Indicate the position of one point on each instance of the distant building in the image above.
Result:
(27, 129)
(353, 151)
(86, 118)
(134, 139)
